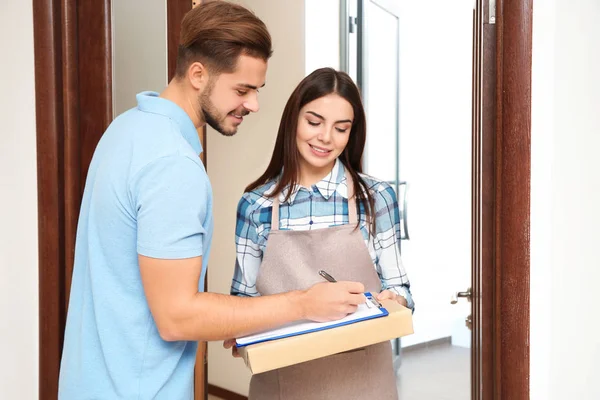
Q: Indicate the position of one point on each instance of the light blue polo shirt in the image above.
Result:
(146, 192)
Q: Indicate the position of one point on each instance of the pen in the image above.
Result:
(327, 276)
(332, 279)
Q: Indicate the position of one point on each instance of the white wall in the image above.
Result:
(18, 206)
(234, 162)
(565, 194)
(139, 49)
(322, 34)
(542, 132)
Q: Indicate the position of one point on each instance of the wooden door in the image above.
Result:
(72, 112)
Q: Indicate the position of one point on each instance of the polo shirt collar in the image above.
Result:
(152, 103)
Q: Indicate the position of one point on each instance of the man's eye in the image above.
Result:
(241, 92)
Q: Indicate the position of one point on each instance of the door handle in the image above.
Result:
(468, 294)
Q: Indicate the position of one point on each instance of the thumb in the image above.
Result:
(386, 294)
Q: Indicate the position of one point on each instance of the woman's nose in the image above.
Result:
(325, 135)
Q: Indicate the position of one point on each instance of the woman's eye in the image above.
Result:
(341, 130)
(314, 123)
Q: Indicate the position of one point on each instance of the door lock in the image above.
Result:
(469, 322)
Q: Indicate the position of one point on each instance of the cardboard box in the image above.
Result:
(266, 356)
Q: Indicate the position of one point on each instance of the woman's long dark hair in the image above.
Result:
(320, 83)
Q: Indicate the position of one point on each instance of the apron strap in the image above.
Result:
(352, 213)
(275, 214)
(352, 217)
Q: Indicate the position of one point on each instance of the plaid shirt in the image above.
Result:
(323, 205)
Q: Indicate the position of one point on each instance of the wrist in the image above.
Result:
(295, 300)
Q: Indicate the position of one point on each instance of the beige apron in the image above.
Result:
(291, 261)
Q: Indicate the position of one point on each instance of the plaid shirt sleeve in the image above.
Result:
(387, 244)
(249, 249)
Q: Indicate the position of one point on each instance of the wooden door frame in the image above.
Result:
(72, 111)
(501, 212)
(501, 201)
(512, 183)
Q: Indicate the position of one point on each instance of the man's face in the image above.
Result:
(228, 97)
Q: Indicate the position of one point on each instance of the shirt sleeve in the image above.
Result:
(171, 202)
(248, 250)
(387, 244)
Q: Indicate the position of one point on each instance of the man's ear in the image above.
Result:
(198, 75)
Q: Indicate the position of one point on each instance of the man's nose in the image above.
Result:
(252, 104)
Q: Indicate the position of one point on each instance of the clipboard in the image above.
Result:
(274, 354)
(371, 309)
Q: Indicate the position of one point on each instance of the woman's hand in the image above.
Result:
(388, 294)
(231, 343)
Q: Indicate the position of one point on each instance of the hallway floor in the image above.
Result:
(439, 372)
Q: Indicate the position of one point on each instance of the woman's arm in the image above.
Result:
(248, 250)
(387, 245)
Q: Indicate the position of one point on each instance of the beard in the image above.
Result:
(213, 117)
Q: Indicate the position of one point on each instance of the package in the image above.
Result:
(266, 356)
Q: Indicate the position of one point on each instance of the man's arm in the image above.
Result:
(182, 313)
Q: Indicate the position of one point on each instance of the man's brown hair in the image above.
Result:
(217, 33)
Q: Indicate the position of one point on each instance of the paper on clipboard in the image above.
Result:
(367, 310)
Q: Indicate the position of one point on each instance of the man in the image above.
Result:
(136, 309)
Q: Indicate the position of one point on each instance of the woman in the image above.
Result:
(301, 216)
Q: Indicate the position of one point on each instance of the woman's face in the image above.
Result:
(322, 133)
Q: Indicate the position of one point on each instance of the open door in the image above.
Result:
(422, 69)
(414, 64)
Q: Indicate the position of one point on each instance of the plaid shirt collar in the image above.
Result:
(335, 180)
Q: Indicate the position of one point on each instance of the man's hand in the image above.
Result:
(331, 301)
(388, 294)
(322, 302)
